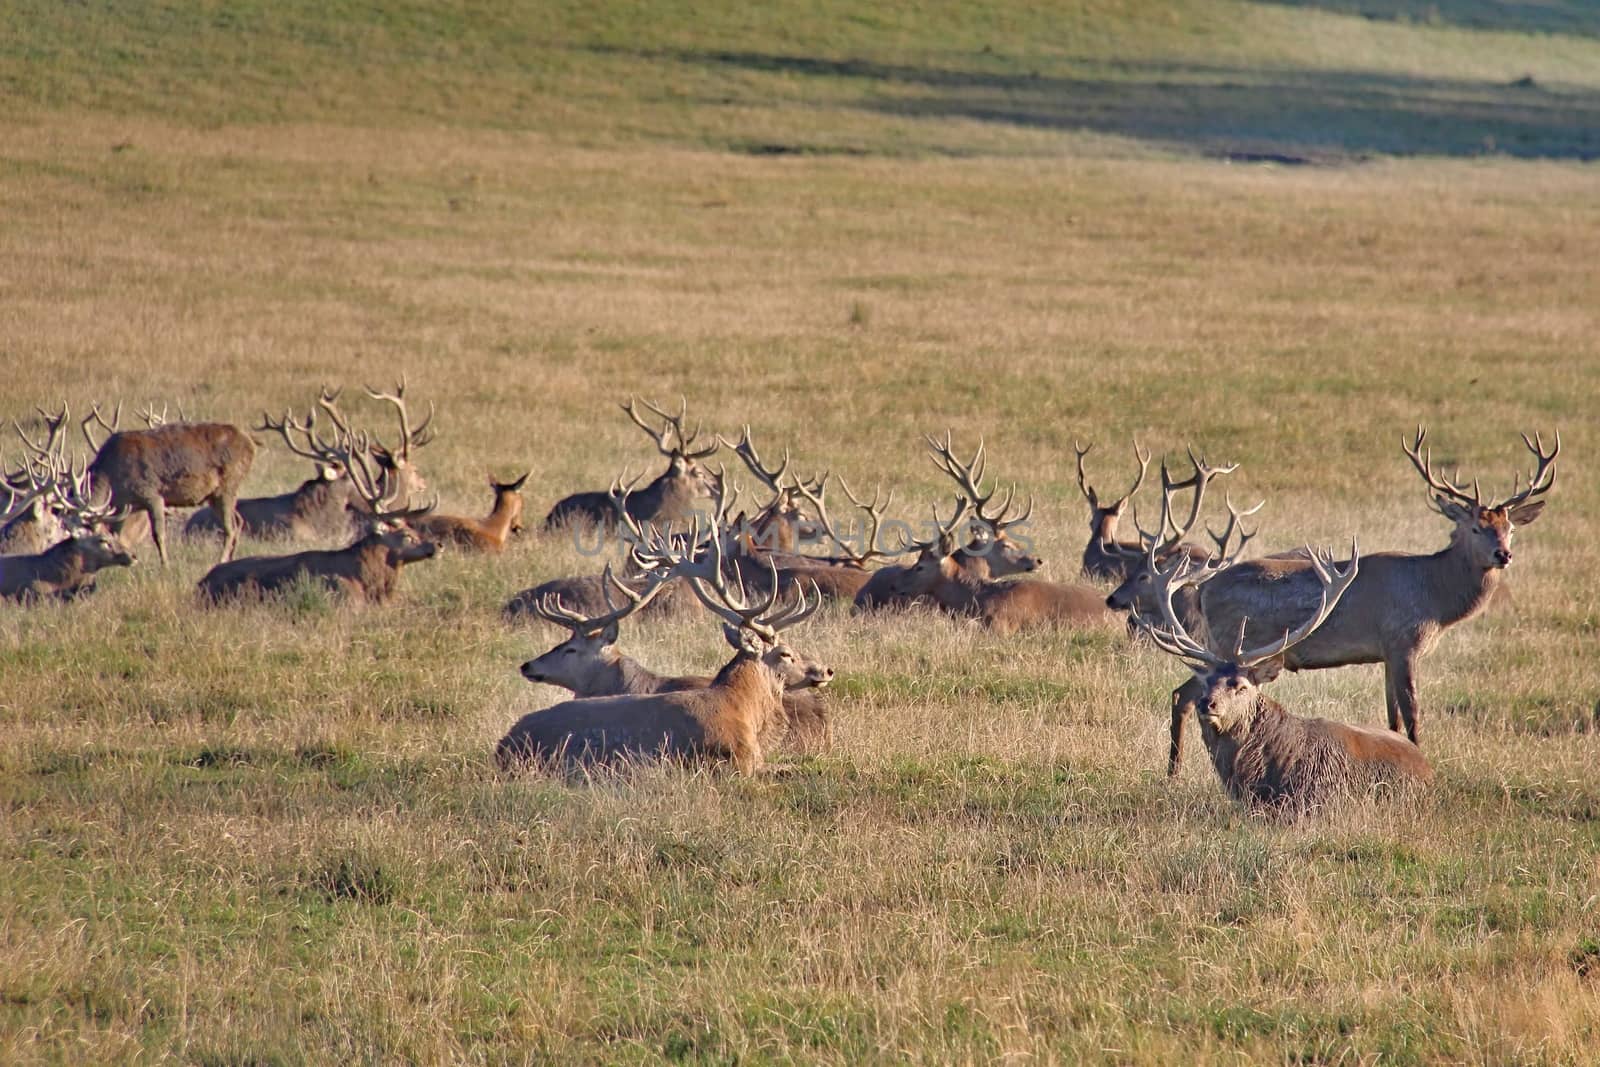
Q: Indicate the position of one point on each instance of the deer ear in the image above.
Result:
(1452, 510)
(1262, 673)
(1526, 513)
(731, 634)
(610, 634)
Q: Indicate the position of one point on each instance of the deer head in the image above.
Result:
(1103, 516)
(989, 540)
(1483, 531)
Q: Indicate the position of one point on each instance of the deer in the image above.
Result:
(671, 497)
(780, 527)
(1396, 611)
(488, 534)
(319, 506)
(172, 464)
(841, 576)
(1105, 557)
(589, 664)
(30, 523)
(1267, 757)
(1135, 593)
(992, 552)
(367, 570)
(69, 568)
(722, 721)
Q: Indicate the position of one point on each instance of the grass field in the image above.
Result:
(275, 835)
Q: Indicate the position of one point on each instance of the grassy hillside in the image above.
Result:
(275, 835)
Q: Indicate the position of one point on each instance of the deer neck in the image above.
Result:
(507, 507)
(1104, 529)
(1458, 587)
(624, 674)
(747, 683)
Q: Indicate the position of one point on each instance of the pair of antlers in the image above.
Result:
(1449, 490)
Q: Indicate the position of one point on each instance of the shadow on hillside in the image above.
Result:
(1232, 112)
(1578, 17)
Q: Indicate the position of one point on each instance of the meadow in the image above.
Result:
(1284, 233)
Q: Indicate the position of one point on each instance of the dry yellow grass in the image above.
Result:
(274, 834)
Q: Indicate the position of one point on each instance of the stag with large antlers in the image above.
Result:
(674, 496)
(31, 520)
(1266, 756)
(365, 571)
(589, 664)
(992, 552)
(1401, 603)
(1156, 548)
(780, 526)
(1104, 556)
(175, 464)
(68, 569)
(723, 721)
(319, 507)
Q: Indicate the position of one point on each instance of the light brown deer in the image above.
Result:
(992, 551)
(1266, 756)
(399, 463)
(31, 520)
(780, 526)
(674, 496)
(589, 664)
(488, 534)
(1402, 601)
(365, 571)
(723, 721)
(178, 464)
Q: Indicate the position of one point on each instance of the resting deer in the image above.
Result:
(1156, 548)
(365, 571)
(722, 721)
(67, 569)
(31, 520)
(319, 507)
(1104, 556)
(589, 664)
(399, 463)
(1402, 601)
(1266, 756)
(176, 464)
(780, 527)
(480, 535)
(673, 497)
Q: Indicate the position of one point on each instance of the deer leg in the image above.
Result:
(1184, 699)
(1402, 686)
(156, 510)
(224, 508)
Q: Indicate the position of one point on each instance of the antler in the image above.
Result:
(418, 436)
(673, 428)
(969, 479)
(55, 430)
(817, 493)
(1442, 486)
(1174, 637)
(1543, 478)
(95, 416)
(1235, 518)
(746, 450)
(1334, 583)
(1088, 491)
(551, 609)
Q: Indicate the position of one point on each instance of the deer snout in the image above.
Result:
(531, 672)
(1502, 557)
(819, 676)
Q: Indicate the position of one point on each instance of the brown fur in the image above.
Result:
(366, 571)
(30, 530)
(64, 571)
(181, 465)
(487, 535)
(319, 507)
(1004, 607)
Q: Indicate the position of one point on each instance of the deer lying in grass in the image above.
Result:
(488, 534)
(780, 527)
(173, 464)
(1266, 756)
(1401, 603)
(365, 571)
(67, 569)
(1106, 557)
(319, 507)
(31, 520)
(589, 664)
(722, 721)
(674, 496)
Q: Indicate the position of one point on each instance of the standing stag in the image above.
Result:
(177, 464)
(1401, 603)
(722, 721)
(367, 570)
(589, 664)
(673, 497)
(1266, 756)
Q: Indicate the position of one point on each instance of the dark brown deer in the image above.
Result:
(365, 571)
(67, 569)
(722, 721)
(488, 534)
(1104, 556)
(180, 464)
(1267, 757)
(589, 664)
(674, 496)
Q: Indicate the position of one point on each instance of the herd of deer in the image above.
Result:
(1235, 623)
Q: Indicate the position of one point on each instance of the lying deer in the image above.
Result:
(1401, 603)
(31, 520)
(1266, 756)
(365, 571)
(178, 464)
(722, 721)
(67, 569)
(589, 664)
(480, 535)
(319, 507)
(674, 496)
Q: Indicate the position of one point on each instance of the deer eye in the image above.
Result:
(569, 652)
